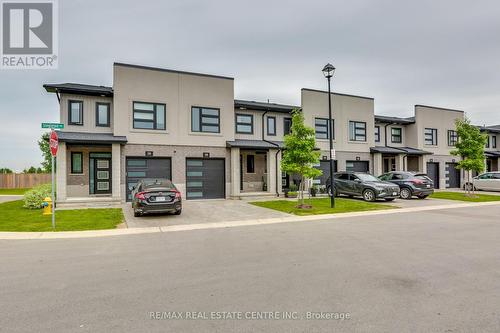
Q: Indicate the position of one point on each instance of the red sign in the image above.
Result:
(53, 143)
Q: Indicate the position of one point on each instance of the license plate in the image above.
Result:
(428, 185)
(394, 193)
(160, 199)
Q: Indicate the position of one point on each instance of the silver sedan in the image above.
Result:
(488, 181)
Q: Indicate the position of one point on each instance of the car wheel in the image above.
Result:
(136, 213)
(422, 196)
(405, 193)
(369, 195)
(178, 212)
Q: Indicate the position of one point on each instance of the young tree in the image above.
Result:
(299, 155)
(5, 170)
(470, 147)
(43, 143)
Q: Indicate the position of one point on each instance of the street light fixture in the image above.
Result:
(328, 71)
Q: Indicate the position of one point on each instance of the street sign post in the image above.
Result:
(53, 125)
(54, 146)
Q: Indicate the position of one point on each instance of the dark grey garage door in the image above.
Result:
(433, 172)
(358, 166)
(205, 178)
(143, 167)
(325, 167)
(452, 175)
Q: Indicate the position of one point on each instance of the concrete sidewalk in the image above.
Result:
(8, 197)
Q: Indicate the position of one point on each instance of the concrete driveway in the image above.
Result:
(202, 211)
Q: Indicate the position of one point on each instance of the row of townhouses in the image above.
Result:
(188, 127)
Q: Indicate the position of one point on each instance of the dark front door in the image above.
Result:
(453, 178)
(205, 178)
(102, 176)
(433, 172)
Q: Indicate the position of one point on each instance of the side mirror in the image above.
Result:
(357, 180)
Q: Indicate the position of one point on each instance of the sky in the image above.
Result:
(443, 53)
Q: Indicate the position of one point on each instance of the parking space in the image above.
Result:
(202, 211)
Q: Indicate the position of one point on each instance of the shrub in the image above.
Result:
(33, 199)
(292, 188)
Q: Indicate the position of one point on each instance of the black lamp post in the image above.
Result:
(328, 71)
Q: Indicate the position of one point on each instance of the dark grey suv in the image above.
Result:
(410, 183)
(362, 184)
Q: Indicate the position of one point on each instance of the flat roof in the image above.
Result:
(90, 138)
(170, 70)
(264, 106)
(79, 89)
(398, 150)
(336, 93)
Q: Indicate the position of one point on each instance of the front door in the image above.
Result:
(102, 176)
(389, 164)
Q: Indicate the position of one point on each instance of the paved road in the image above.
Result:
(434, 271)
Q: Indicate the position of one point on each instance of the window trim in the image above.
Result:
(377, 133)
(267, 125)
(246, 124)
(73, 172)
(70, 122)
(433, 131)
(97, 104)
(327, 132)
(154, 116)
(355, 122)
(284, 125)
(494, 141)
(201, 116)
(396, 136)
(452, 134)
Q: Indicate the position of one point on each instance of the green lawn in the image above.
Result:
(461, 196)
(13, 217)
(321, 206)
(13, 191)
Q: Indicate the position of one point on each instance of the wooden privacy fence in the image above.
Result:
(23, 180)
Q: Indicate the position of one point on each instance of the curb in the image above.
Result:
(228, 224)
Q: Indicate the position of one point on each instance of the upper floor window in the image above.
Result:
(321, 128)
(75, 112)
(488, 141)
(396, 136)
(357, 131)
(244, 123)
(271, 125)
(494, 141)
(287, 126)
(377, 133)
(102, 114)
(149, 116)
(452, 138)
(205, 120)
(430, 136)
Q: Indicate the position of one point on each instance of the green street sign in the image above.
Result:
(53, 125)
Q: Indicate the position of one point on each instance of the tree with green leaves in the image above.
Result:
(43, 143)
(33, 169)
(470, 147)
(299, 155)
(5, 170)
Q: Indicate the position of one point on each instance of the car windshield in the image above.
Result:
(152, 183)
(367, 177)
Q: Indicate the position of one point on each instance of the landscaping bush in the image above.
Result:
(33, 199)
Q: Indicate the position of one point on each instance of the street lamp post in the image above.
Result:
(328, 71)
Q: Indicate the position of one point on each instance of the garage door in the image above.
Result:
(141, 167)
(433, 172)
(325, 167)
(358, 166)
(205, 178)
(452, 175)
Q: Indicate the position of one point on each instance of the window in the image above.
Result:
(430, 136)
(205, 120)
(271, 125)
(494, 141)
(75, 113)
(250, 164)
(396, 135)
(321, 128)
(452, 138)
(488, 141)
(76, 163)
(287, 126)
(377, 133)
(342, 176)
(102, 114)
(149, 116)
(244, 123)
(357, 131)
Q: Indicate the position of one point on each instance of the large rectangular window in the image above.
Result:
(396, 136)
(244, 123)
(271, 125)
(452, 138)
(357, 131)
(321, 128)
(75, 113)
(149, 116)
(205, 120)
(430, 136)
(377, 133)
(102, 114)
(76, 163)
(287, 126)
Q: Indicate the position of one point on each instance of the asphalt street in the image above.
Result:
(433, 271)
